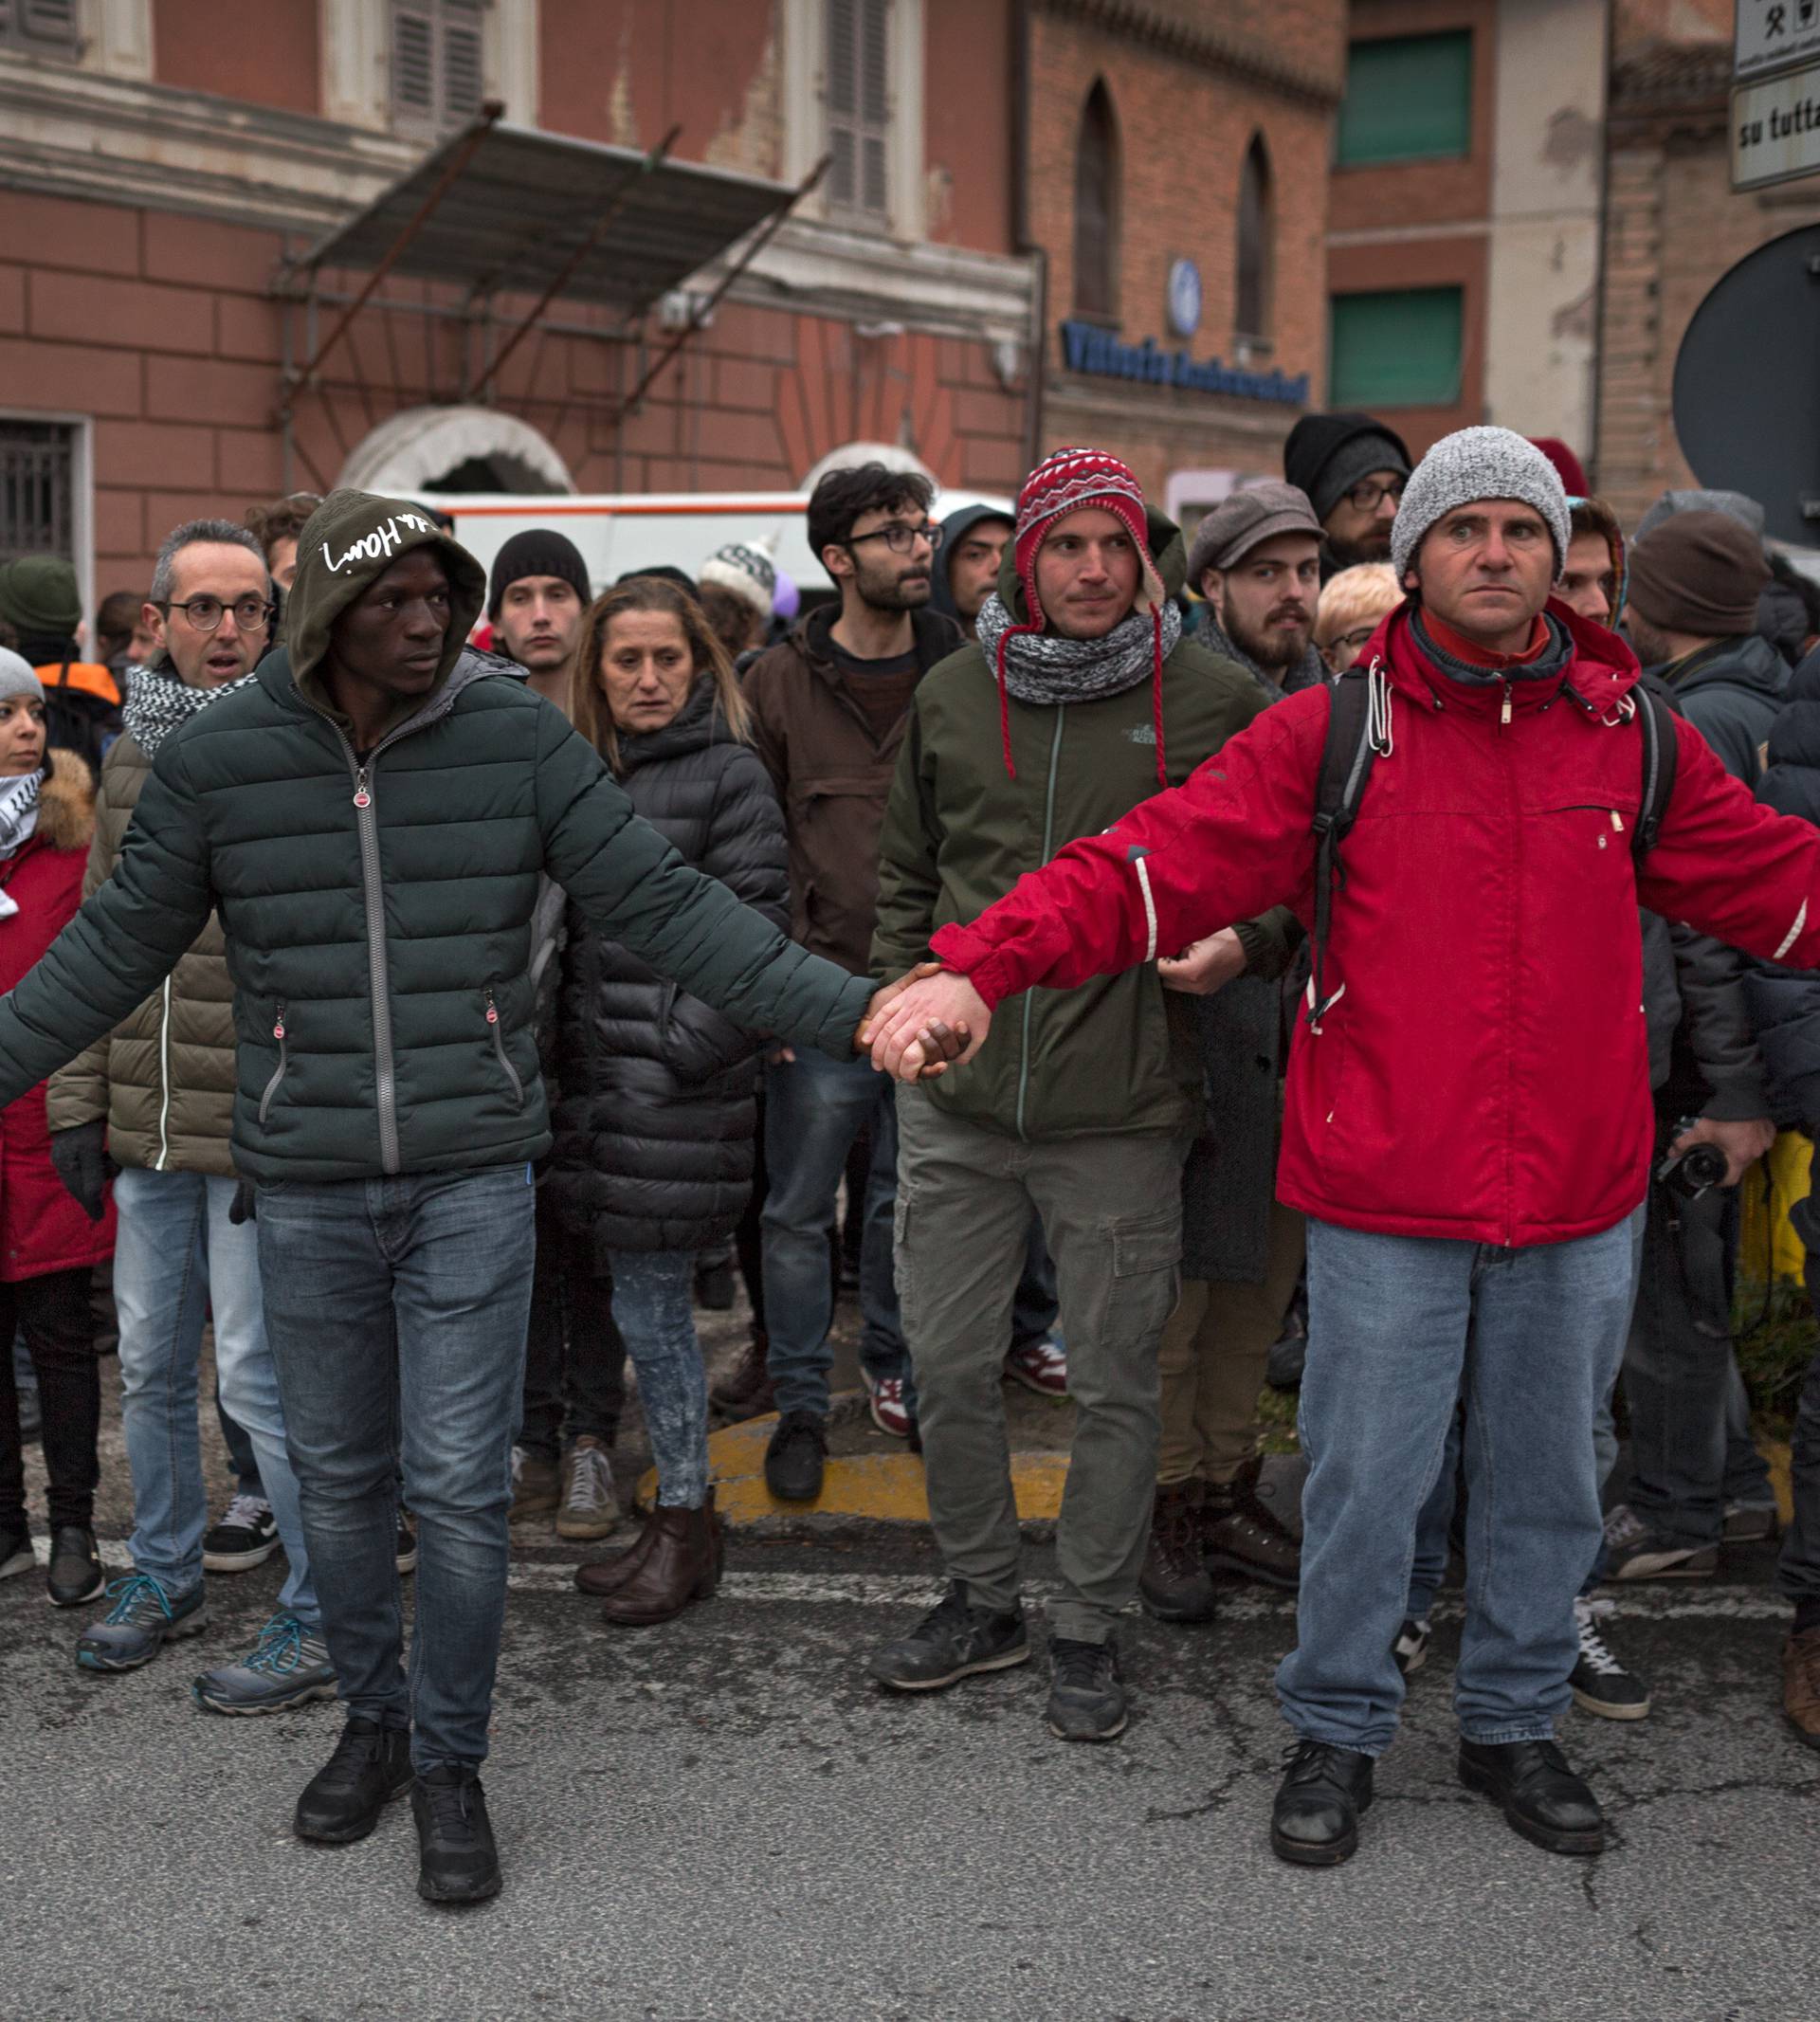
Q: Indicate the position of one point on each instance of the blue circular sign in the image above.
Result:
(1183, 298)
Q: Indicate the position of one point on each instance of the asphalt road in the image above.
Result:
(720, 1818)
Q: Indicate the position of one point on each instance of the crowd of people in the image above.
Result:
(1314, 939)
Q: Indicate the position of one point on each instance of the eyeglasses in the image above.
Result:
(205, 613)
(1366, 496)
(900, 538)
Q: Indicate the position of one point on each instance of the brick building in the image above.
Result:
(155, 316)
(1673, 227)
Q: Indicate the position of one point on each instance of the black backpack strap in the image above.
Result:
(1345, 767)
(1661, 754)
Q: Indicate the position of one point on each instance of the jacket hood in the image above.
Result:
(1601, 672)
(66, 801)
(352, 538)
(1748, 661)
(954, 529)
(1608, 523)
(1168, 550)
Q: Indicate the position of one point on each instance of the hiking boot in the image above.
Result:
(606, 1575)
(406, 1549)
(953, 1641)
(1601, 1683)
(1173, 1585)
(1239, 1533)
(134, 1631)
(1410, 1650)
(589, 1508)
(745, 1390)
(1288, 1354)
(1540, 1795)
(795, 1457)
(1634, 1550)
(1801, 1684)
(1324, 1792)
(288, 1666)
(342, 1801)
(16, 1554)
(885, 1396)
(536, 1484)
(1040, 1365)
(459, 1861)
(75, 1576)
(245, 1537)
(682, 1564)
(1086, 1694)
(1751, 1523)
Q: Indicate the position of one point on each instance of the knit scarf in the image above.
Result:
(1307, 672)
(1042, 667)
(157, 703)
(19, 800)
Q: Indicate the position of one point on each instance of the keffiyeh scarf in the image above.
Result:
(19, 800)
(157, 703)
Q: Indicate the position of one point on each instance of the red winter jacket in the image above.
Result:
(41, 1230)
(1485, 1074)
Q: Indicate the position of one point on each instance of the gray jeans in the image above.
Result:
(1111, 1212)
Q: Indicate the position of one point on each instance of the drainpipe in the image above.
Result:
(1020, 125)
(1595, 407)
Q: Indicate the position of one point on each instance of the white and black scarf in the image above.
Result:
(19, 802)
(157, 703)
(1039, 666)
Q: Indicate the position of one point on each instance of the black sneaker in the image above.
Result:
(1601, 1683)
(1540, 1795)
(952, 1640)
(75, 1577)
(458, 1861)
(1324, 1792)
(1086, 1696)
(1410, 1650)
(406, 1548)
(245, 1537)
(342, 1801)
(16, 1554)
(794, 1459)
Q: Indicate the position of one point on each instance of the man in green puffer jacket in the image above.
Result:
(1081, 699)
(370, 817)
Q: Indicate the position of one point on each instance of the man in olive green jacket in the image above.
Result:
(1081, 699)
(370, 815)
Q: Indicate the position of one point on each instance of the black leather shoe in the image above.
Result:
(1541, 1797)
(75, 1574)
(794, 1459)
(1324, 1793)
(342, 1801)
(460, 1863)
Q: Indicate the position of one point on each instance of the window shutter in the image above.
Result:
(413, 63)
(858, 97)
(50, 24)
(461, 68)
(1395, 348)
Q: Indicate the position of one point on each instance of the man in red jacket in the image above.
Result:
(1468, 1125)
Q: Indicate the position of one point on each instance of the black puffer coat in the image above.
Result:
(1786, 1002)
(655, 1120)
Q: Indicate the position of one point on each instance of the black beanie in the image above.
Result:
(538, 551)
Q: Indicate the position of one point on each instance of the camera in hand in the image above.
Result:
(1694, 1171)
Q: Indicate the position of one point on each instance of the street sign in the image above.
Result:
(1747, 389)
(1775, 128)
(1772, 35)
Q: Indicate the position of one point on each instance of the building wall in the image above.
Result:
(263, 55)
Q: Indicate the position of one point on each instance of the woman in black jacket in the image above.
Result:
(654, 1128)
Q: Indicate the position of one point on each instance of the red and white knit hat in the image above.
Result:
(1061, 483)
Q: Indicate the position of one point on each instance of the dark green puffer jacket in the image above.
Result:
(379, 953)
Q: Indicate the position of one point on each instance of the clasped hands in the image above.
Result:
(928, 1018)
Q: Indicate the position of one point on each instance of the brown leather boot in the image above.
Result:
(1240, 1534)
(1173, 1585)
(1801, 1685)
(607, 1575)
(682, 1564)
(745, 1390)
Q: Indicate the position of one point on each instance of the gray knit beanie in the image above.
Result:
(16, 678)
(1466, 467)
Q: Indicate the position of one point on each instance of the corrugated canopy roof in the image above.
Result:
(513, 216)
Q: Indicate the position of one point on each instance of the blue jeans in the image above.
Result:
(1400, 1330)
(178, 1256)
(814, 1107)
(654, 1304)
(398, 1306)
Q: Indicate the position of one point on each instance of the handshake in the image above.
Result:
(917, 1025)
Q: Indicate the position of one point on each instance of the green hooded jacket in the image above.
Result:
(1118, 1054)
(377, 907)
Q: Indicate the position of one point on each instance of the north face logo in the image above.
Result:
(1142, 734)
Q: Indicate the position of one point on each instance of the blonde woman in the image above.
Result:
(1352, 606)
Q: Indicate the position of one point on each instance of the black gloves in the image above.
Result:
(246, 1205)
(80, 1157)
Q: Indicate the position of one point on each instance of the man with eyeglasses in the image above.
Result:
(154, 1099)
(829, 704)
(1353, 469)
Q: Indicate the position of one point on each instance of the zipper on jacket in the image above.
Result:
(1504, 716)
(499, 1046)
(1048, 849)
(284, 1062)
(164, 1082)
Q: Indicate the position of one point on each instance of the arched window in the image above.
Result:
(1251, 283)
(1096, 210)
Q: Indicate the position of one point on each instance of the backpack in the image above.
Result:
(1358, 732)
